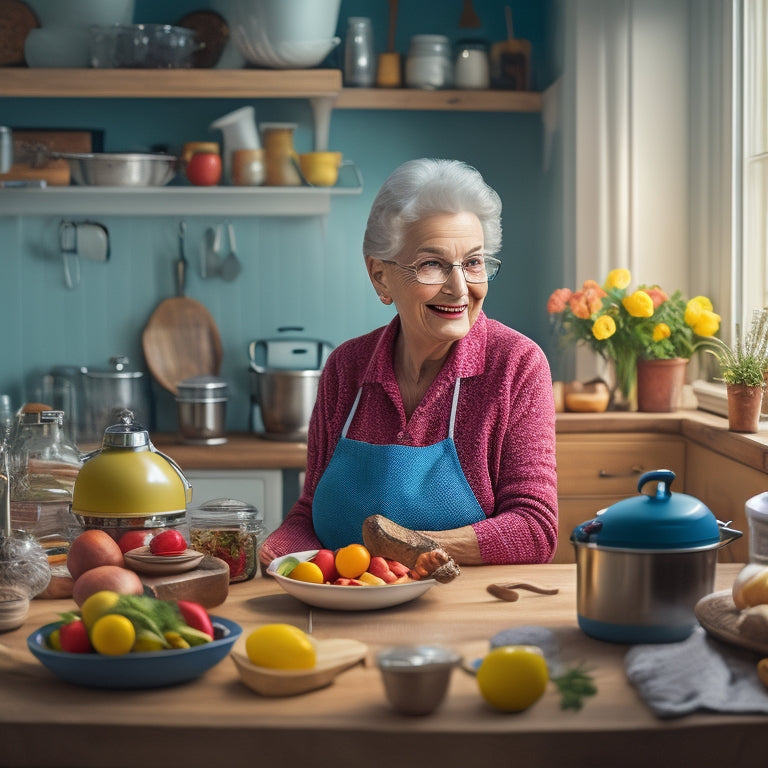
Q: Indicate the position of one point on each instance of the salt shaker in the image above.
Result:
(359, 57)
(429, 65)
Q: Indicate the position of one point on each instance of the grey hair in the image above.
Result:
(425, 187)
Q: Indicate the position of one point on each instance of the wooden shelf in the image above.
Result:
(456, 101)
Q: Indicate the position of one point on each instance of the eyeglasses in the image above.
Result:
(477, 269)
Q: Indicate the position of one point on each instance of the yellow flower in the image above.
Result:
(618, 278)
(604, 327)
(661, 331)
(708, 324)
(638, 304)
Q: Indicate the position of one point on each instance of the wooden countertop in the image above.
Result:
(247, 451)
(216, 720)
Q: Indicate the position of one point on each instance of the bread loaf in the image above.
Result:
(753, 623)
(751, 586)
(419, 552)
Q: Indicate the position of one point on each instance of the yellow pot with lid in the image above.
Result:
(128, 481)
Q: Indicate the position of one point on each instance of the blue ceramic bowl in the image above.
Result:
(135, 670)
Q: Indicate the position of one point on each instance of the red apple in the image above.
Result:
(204, 169)
(169, 542)
(325, 561)
(133, 540)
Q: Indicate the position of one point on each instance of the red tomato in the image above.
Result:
(74, 637)
(204, 169)
(133, 540)
(196, 616)
(168, 542)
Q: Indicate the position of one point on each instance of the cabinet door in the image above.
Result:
(261, 487)
(724, 485)
(595, 471)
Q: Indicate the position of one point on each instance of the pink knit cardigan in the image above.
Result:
(504, 432)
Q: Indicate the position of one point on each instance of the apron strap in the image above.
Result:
(451, 423)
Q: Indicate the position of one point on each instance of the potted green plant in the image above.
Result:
(742, 368)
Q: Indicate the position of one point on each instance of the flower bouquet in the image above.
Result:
(624, 326)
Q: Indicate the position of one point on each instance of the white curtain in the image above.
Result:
(646, 118)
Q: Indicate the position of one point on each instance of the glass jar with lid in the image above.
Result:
(44, 465)
(429, 64)
(231, 530)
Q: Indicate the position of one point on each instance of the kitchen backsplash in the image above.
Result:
(297, 271)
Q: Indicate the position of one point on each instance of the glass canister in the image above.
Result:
(429, 64)
(359, 56)
(231, 530)
(279, 155)
(44, 465)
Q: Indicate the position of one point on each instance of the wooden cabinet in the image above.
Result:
(597, 470)
(724, 485)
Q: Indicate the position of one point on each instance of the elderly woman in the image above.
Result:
(442, 421)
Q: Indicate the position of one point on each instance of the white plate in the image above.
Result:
(347, 598)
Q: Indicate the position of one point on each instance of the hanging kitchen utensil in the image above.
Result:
(181, 339)
(230, 267)
(469, 18)
(210, 262)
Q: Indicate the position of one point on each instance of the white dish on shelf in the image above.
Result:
(339, 598)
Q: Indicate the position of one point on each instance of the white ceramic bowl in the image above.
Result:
(61, 13)
(261, 30)
(67, 47)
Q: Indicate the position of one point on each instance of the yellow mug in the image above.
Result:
(321, 169)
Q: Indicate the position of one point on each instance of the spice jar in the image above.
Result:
(231, 530)
(429, 63)
(472, 70)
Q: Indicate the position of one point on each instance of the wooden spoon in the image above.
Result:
(469, 18)
(181, 339)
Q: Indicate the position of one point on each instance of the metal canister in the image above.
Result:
(202, 409)
(429, 64)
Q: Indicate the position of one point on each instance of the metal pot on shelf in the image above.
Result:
(643, 563)
(284, 375)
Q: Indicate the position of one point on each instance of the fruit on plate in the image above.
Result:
(352, 560)
(751, 586)
(325, 560)
(133, 540)
(169, 542)
(280, 646)
(307, 571)
(90, 549)
(113, 635)
(513, 677)
(111, 577)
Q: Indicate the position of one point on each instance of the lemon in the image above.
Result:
(280, 646)
(307, 571)
(97, 605)
(513, 677)
(113, 635)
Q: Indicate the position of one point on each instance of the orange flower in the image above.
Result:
(657, 296)
(558, 300)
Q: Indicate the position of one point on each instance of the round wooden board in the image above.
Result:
(212, 34)
(720, 617)
(16, 21)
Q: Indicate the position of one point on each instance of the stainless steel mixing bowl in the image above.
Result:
(120, 169)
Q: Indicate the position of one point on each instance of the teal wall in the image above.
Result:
(305, 271)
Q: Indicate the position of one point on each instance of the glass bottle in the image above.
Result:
(359, 55)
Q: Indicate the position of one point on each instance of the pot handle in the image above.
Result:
(664, 477)
(727, 534)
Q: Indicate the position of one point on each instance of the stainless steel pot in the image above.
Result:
(201, 402)
(284, 376)
(119, 169)
(643, 564)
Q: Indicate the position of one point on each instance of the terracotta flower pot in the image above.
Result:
(744, 407)
(660, 384)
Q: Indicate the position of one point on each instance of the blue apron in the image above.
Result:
(422, 488)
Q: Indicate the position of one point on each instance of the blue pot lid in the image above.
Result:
(659, 520)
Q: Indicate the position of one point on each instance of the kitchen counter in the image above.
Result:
(247, 451)
(216, 720)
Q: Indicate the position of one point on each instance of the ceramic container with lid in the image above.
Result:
(472, 68)
(128, 484)
(231, 530)
(643, 563)
(429, 65)
(202, 409)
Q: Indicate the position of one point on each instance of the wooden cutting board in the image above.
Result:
(17, 19)
(208, 584)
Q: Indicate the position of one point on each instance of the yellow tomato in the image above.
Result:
(352, 560)
(307, 571)
(97, 605)
(54, 640)
(280, 646)
(113, 635)
(513, 677)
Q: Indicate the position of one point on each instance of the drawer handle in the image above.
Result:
(635, 469)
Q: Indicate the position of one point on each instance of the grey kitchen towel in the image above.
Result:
(699, 673)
